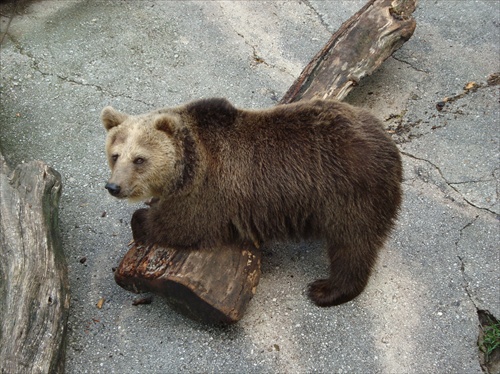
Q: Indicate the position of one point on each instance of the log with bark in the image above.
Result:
(216, 285)
(34, 288)
(200, 284)
(356, 50)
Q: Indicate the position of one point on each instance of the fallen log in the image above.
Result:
(34, 288)
(216, 285)
(356, 50)
(199, 284)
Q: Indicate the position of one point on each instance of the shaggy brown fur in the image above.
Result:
(314, 170)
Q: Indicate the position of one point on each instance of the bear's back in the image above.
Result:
(281, 164)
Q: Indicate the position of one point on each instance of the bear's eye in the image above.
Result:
(114, 157)
(139, 160)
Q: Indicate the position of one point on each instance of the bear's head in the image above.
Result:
(141, 153)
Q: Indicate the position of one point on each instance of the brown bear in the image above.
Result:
(317, 169)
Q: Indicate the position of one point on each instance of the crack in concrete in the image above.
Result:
(450, 184)
(318, 14)
(473, 181)
(97, 87)
(37, 68)
(464, 276)
(466, 285)
(462, 263)
(257, 59)
(410, 65)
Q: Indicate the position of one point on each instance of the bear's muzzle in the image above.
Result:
(113, 188)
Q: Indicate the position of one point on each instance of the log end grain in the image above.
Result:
(212, 286)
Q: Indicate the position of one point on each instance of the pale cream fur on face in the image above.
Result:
(145, 155)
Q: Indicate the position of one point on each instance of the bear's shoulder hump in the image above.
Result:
(212, 112)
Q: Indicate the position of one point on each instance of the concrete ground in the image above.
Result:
(63, 61)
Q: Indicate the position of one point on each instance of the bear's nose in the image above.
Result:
(113, 189)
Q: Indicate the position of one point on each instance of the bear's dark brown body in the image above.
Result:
(313, 170)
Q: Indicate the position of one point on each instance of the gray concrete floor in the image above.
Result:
(63, 61)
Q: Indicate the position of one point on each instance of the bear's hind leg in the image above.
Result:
(350, 268)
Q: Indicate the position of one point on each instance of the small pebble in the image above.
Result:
(440, 105)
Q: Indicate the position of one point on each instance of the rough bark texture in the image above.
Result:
(34, 289)
(359, 47)
(204, 285)
(215, 286)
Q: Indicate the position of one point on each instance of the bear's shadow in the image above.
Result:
(304, 259)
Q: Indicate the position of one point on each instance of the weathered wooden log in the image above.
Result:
(199, 284)
(34, 288)
(214, 286)
(356, 50)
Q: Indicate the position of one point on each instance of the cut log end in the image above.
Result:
(213, 286)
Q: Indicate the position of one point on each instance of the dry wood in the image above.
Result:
(200, 284)
(359, 47)
(215, 286)
(34, 289)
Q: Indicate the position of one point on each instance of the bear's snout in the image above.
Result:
(113, 188)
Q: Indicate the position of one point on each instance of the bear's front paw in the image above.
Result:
(137, 223)
(323, 293)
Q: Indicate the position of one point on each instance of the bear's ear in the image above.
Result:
(166, 123)
(111, 117)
